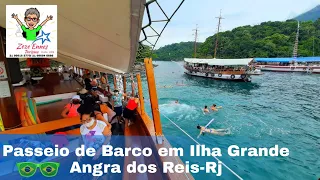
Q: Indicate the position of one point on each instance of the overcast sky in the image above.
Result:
(203, 12)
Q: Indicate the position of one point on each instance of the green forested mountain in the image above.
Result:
(269, 39)
(176, 51)
(311, 15)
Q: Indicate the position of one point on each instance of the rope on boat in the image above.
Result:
(200, 144)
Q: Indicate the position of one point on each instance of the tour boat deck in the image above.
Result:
(52, 111)
(52, 84)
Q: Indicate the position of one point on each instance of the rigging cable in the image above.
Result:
(200, 144)
(150, 21)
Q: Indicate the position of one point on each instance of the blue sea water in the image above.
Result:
(276, 108)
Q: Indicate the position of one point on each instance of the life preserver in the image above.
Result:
(219, 74)
(243, 76)
(232, 76)
(212, 74)
(206, 74)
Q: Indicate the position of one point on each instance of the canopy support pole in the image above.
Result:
(132, 86)
(153, 99)
(142, 110)
(114, 82)
(124, 86)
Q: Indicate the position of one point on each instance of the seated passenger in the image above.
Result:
(70, 110)
(66, 76)
(94, 133)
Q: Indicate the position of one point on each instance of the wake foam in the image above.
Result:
(179, 111)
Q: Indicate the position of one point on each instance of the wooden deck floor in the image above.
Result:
(52, 84)
(50, 112)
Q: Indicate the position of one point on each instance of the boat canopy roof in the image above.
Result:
(101, 36)
(288, 60)
(220, 62)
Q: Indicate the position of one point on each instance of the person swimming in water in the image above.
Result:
(219, 132)
(206, 110)
(215, 108)
(177, 101)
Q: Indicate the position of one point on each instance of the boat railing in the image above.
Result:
(216, 71)
(144, 126)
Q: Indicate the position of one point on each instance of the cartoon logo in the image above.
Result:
(32, 18)
(47, 169)
(31, 31)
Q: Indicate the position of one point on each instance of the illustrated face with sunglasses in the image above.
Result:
(31, 20)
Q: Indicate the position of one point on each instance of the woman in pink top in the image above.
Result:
(70, 110)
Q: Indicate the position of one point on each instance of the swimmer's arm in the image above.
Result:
(200, 133)
(219, 107)
(64, 113)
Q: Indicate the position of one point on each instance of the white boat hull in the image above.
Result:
(289, 68)
(316, 71)
(219, 76)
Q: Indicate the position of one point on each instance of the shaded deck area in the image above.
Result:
(52, 84)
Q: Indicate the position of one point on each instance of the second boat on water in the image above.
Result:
(223, 69)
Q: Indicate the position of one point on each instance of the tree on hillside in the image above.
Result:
(269, 39)
(144, 51)
(176, 51)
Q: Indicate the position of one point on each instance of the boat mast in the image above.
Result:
(313, 46)
(295, 49)
(217, 36)
(195, 41)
